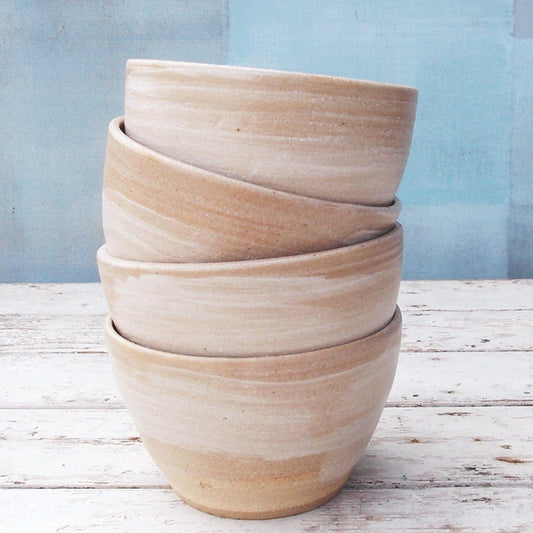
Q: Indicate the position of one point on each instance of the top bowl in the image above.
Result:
(330, 138)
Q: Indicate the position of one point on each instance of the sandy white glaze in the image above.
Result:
(261, 307)
(259, 435)
(331, 138)
(159, 209)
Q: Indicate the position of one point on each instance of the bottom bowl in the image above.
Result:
(257, 437)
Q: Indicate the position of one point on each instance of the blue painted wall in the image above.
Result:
(61, 82)
(456, 187)
(468, 187)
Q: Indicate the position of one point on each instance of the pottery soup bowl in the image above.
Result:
(333, 138)
(158, 209)
(259, 307)
(257, 437)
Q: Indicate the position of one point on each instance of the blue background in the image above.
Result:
(467, 191)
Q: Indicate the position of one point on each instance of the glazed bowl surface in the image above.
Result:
(157, 209)
(259, 307)
(257, 437)
(333, 138)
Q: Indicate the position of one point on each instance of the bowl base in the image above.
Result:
(275, 512)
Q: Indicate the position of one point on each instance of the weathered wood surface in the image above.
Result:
(68, 448)
(441, 510)
(452, 451)
(435, 331)
(450, 295)
(70, 380)
(56, 319)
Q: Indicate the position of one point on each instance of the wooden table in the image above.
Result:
(453, 450)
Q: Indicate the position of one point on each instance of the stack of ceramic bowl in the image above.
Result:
(251, 267)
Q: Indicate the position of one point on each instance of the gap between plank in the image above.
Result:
(349, 486)
(402, 405)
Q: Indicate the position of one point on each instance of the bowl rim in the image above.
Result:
(116, 129)
(112, 331)
(166, 64)
(103, 255)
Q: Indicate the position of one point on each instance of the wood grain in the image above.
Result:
(83, 380)
(441, 510)
(447, 295)
(482, 446)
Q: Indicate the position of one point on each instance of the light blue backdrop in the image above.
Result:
(62, 81)
(467, 192)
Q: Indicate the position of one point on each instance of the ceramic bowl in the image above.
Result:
(260, 307)
(257, 437)
(162, 210)
(332, 138)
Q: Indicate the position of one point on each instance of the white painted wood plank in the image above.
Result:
(57, 380)
(450, 378)
(412, 447)
(457, 509)
(52, 355)
(88, 298)
(452, 295)
(479, 331)
(52, 298)
(463, 378)
(56, 334)
(422, 331)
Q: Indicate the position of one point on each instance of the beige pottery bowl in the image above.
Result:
(257, 437)
(333, 138)
(162, 210)
(261, 307)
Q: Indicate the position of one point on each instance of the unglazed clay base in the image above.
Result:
(331, 138)
(270, 491)
(158, 209)
(257, 437)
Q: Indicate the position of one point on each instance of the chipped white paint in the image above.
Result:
(60, 379)
(449, 295)
(72, 448)
(472, 295)
(439, 510)
(50, 299)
